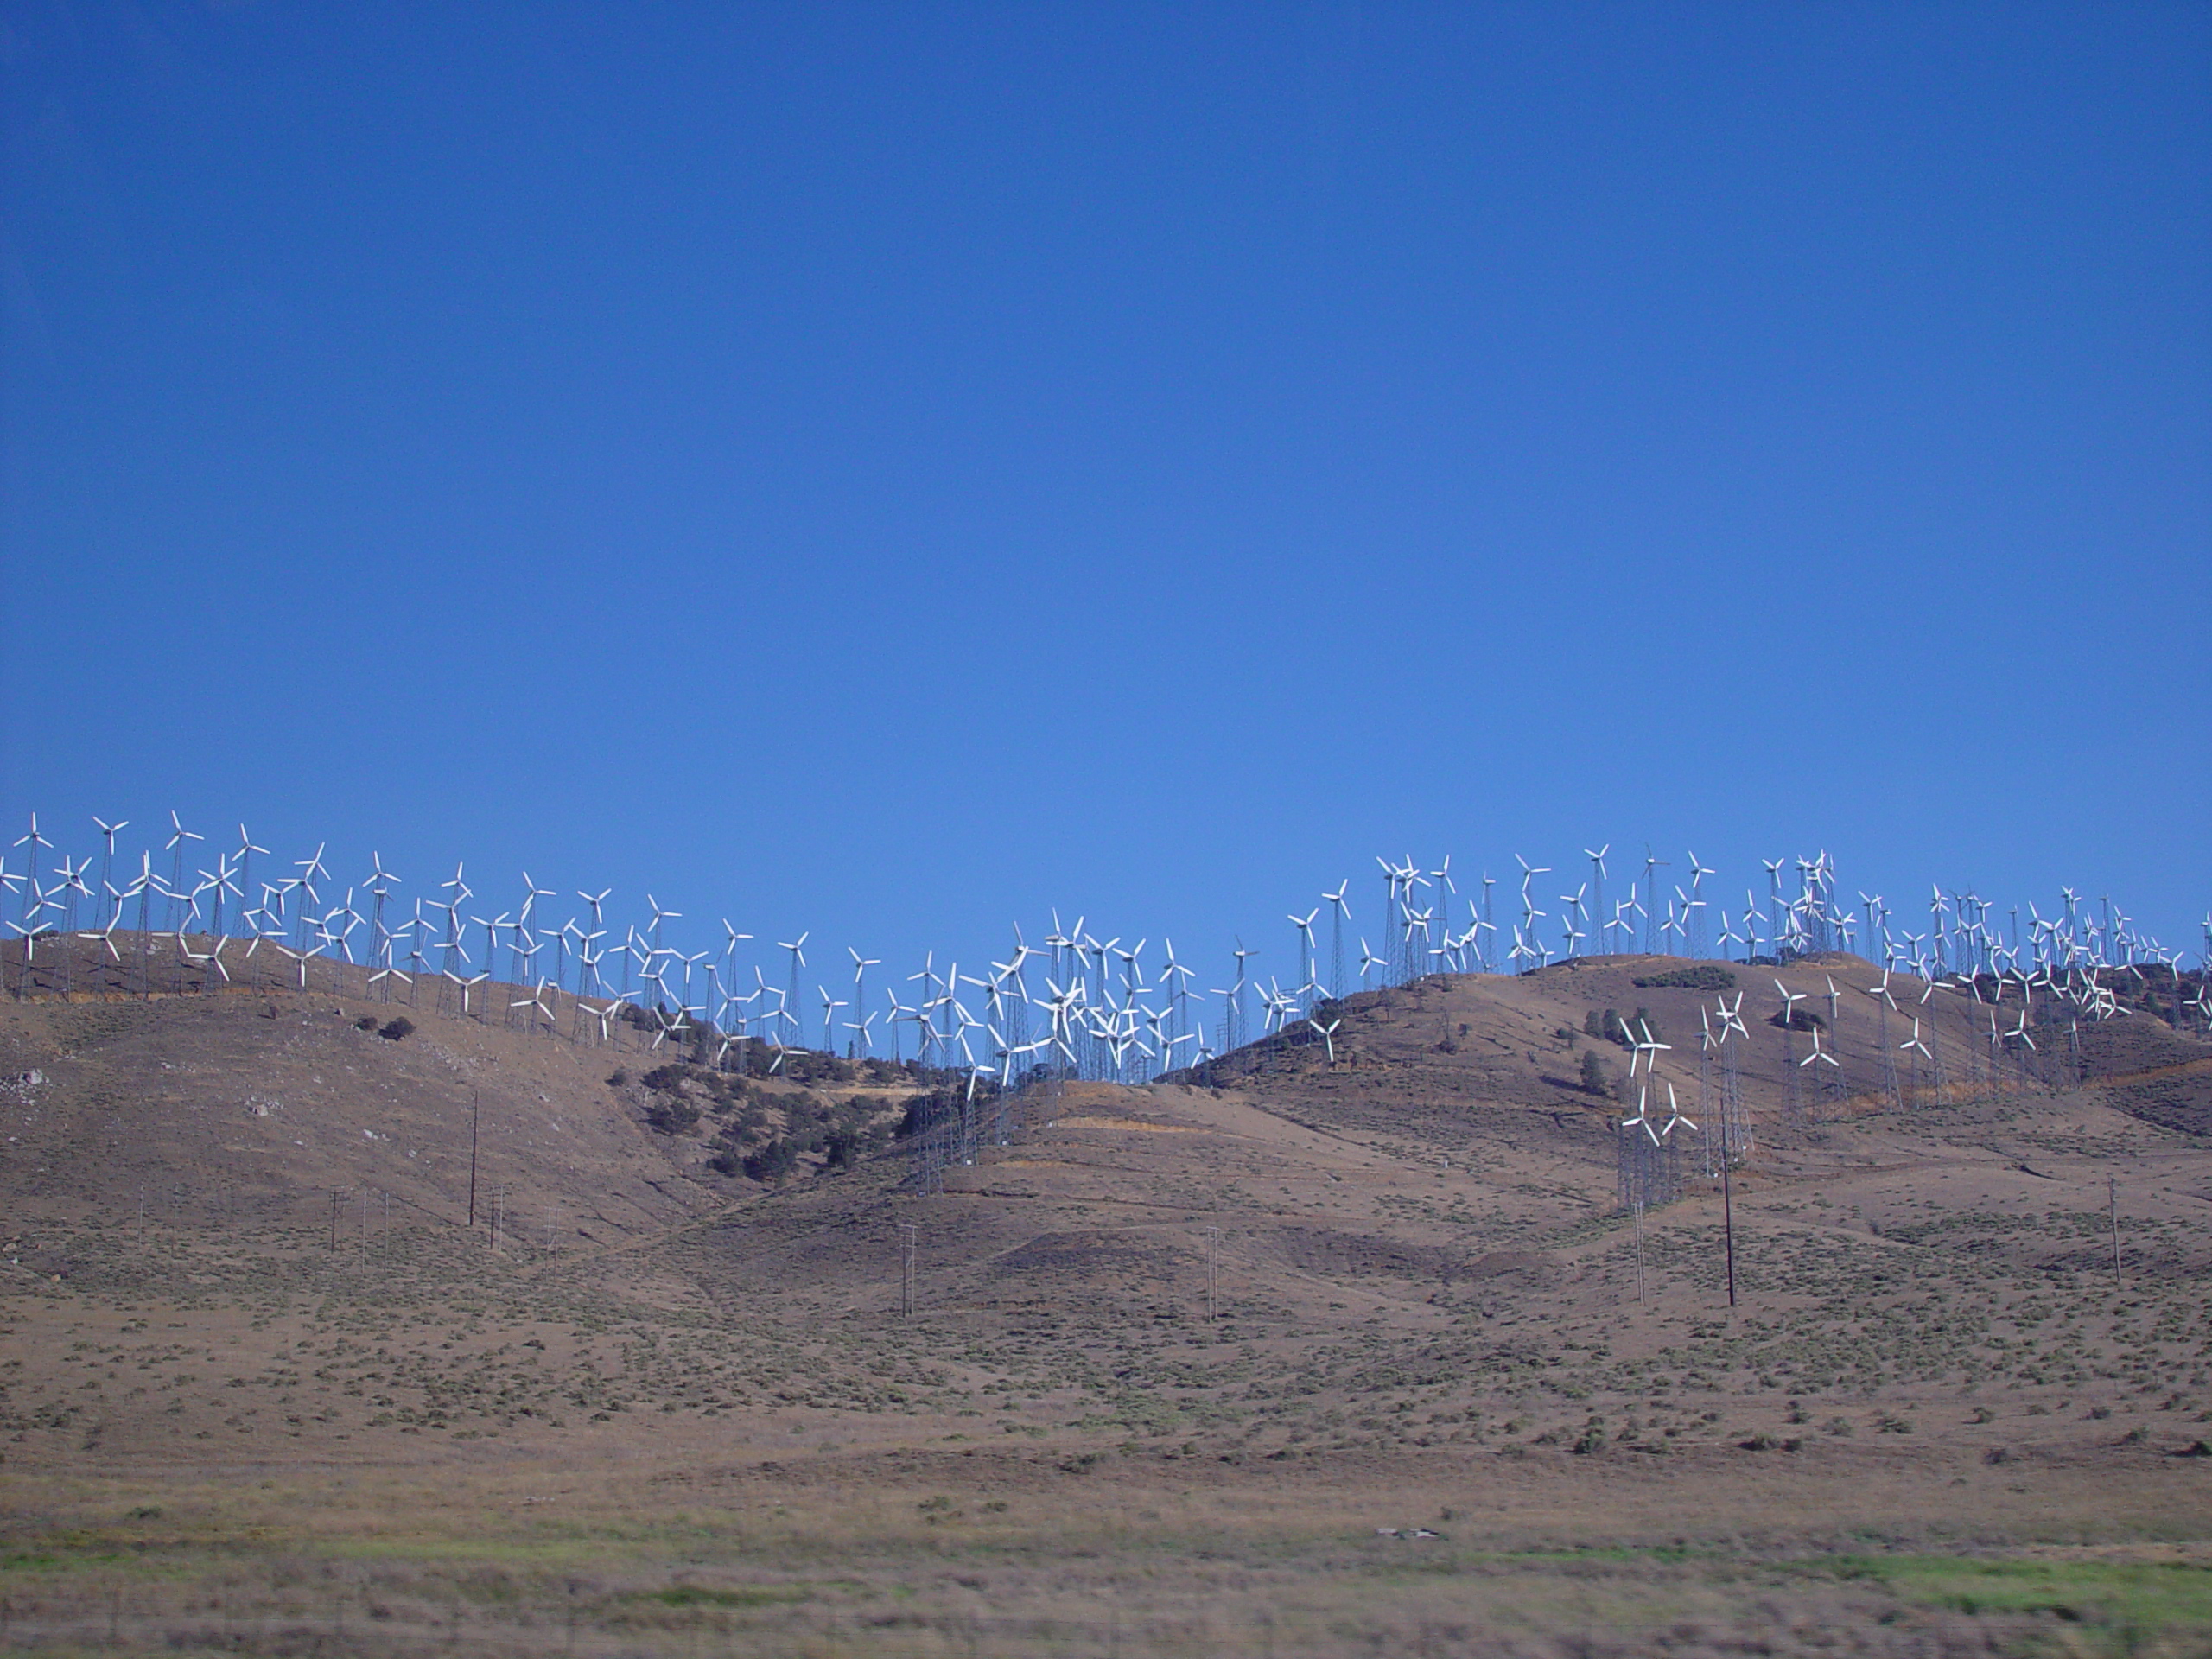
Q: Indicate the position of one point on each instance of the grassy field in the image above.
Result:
(1005, 1556)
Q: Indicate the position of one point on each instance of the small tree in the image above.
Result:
(1594, 1072)
(773, 1163)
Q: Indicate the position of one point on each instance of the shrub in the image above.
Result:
(398, 1031)
(366, 1022)
(1594, 1072)
(671, 1113)
(1700, 976)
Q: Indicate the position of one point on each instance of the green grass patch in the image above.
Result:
(2127, 1602)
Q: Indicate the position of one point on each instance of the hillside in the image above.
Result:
(237, 1245)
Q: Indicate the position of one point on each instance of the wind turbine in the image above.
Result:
(34, 840)
(798, 948)
(108, 832)
(1307, 965)
(1525, 935)
(175, 845)
(860, 965)
(1652, 865)
(1598, 891)
(1339, 914)
(660, 916)
(1694, 905)
(1884, 1005)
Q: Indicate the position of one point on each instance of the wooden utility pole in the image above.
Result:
(474, 1103)
(1213, 1273)
(2111, 1199)
(1642, 1300)
(908, 1236)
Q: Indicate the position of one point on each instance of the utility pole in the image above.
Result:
(334, 1220)
(475, 1102)
(2111, 1197)
(1642, 1300)
(1213, 1273)
(908, 1236)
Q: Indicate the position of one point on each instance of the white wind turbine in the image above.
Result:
(1307, 964)
(32, 839)
(108, 833)
(798, 948)
(1597, 858)
(1526, 933)
(175, 845)
(1328, 1034)
(732, 937)
(1339, 914)
(246, 850)
(1576, 914)
(1695, 904)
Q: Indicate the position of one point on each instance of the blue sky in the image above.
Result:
(890, 470)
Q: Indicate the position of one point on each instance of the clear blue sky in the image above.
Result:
(891, 469)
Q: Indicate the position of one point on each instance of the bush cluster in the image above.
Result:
(1700, 977)
(756, 1131)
